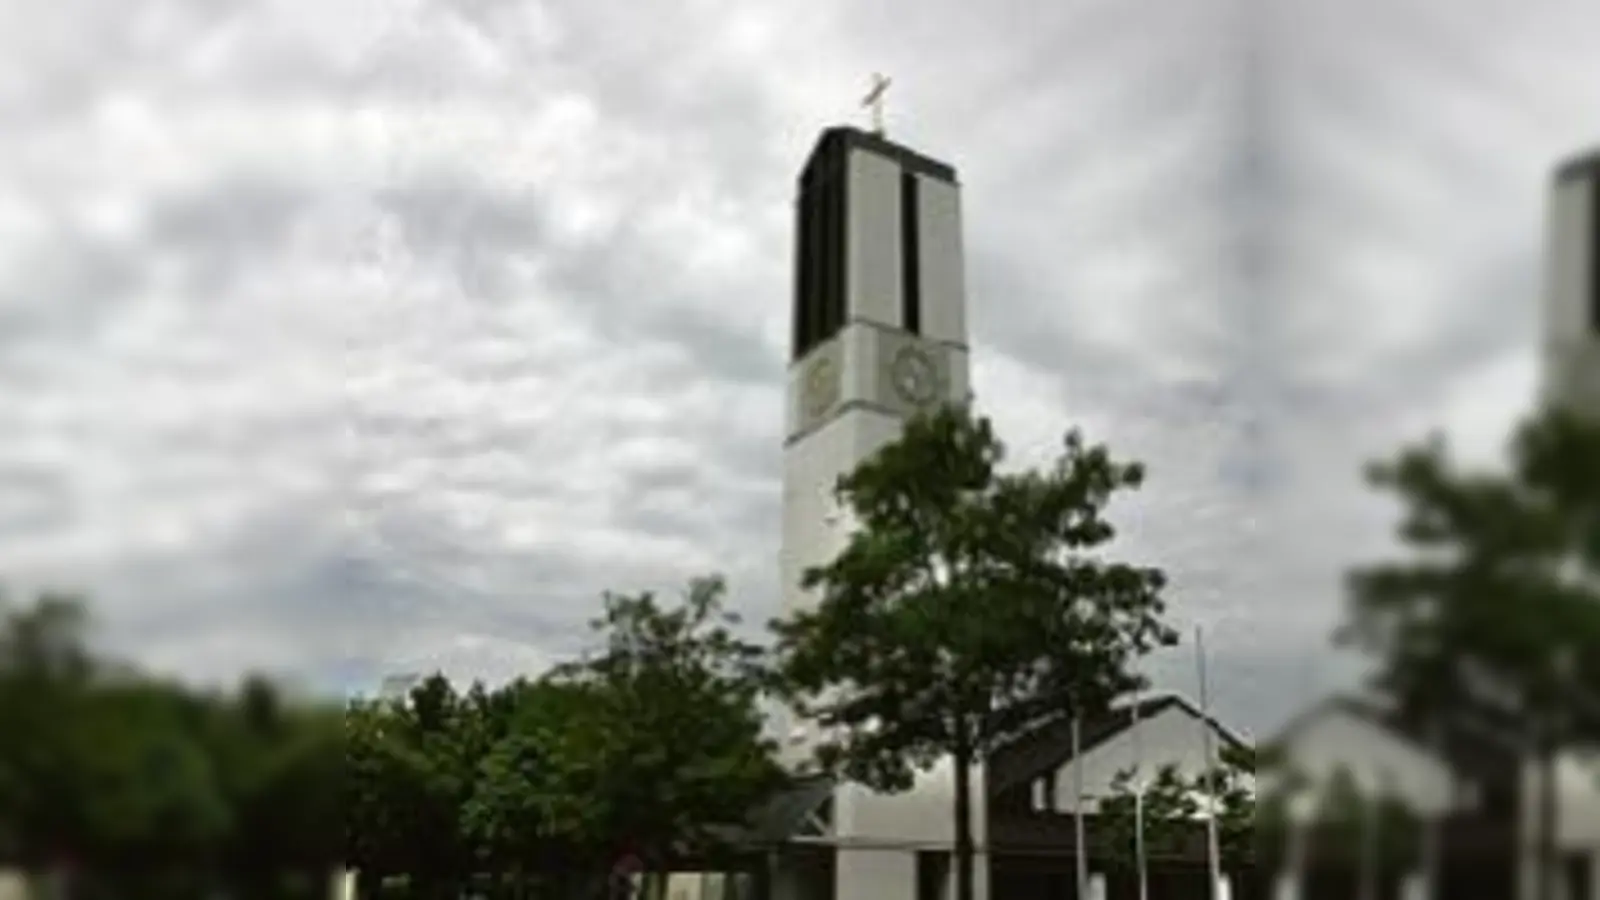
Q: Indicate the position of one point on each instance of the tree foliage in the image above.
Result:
(1493, 618)
(1175, 809)
(968, 605)
(1494, 613)
(652, 745)
(1233, 784)
(1170, 814)
(160, 788)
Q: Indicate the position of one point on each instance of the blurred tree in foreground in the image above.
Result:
(652, 746)
(1493, 618)
(150, 785)
(1495, 614)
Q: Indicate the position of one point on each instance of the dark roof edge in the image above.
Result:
(1115, 721)
(1578, 164)
(1366, 711)
(1346, 703)
(1232, 737)
(909, 159)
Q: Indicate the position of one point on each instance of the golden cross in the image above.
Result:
(874, 99)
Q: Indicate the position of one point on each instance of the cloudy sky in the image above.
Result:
(366, 336)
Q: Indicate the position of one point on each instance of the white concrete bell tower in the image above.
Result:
(879, 334)
(1571, 340)
(879, 324)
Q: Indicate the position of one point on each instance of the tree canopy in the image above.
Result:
(968, 605)
(651, 745)
(1493, 613)
(166, 786)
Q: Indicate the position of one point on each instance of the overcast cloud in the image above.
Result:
(367, 336)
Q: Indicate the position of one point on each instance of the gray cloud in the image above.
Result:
(381, 337)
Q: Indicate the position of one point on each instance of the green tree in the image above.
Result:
(1171, 811)
(1174, 810)
(1233, 785)
(146, 784)
(410, 769)
(507, 818)
(147, 788)
(653, 745)
(1374, 828)
(1493, 615)
(967, 606)
(289, 814)
(45, 678)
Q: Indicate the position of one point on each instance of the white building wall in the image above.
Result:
(1377, 759)
(924, 815)
(862, 350)
(1571, 347)
(875, 873)
(815, 528)
(1568, 262)
(1578, 801)
(1577, 817)
(874, 255)
(943, 269)
(1170, 737)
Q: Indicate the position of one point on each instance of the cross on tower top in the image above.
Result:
(874, 100)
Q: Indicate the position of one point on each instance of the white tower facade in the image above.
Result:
(1571, 339)
(879, 324)
(879, 334)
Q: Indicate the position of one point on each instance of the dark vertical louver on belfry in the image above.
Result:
(910, 255)
(822, 251)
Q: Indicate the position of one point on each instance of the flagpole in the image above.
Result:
(1213, 849)
(1138, 802)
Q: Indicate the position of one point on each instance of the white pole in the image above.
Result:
(1213, 845)
(1077, 806)
(1138, 802)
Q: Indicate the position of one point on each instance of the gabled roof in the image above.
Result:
(1048, 746)
(1464, 746)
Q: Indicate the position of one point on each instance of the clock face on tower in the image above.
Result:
(914, 376)
(820, 390)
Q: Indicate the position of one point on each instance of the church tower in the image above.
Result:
(879, 334)
(1571, 341)
(879, 324)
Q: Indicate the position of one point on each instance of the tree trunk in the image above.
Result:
(1545, 864)
(965, 889)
